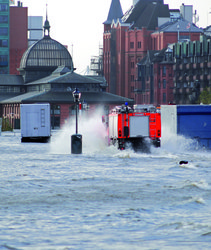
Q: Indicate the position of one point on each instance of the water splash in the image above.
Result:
(91, 128)
(177, 143)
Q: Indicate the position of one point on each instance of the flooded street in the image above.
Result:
(103, 198)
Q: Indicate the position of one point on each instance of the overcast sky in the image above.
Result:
(79, 23)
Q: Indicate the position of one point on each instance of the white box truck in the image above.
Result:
(35, 122)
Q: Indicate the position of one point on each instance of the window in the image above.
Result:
(139, 45)
(3, 19)
(4, 43)
(132, 45)
(164, 97)
(159, 84)
(3, 7)
(132, 65)
(3, 60)
(9, 89)
(164, 83)
(132, 78)
(164, 70)
(3, 31)
(4, 71)
(55, 109)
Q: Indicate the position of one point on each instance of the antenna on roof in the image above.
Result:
(46, 10)
(47, 25)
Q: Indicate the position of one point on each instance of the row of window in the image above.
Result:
(9, 89)
(195, 48)
(132, 45)
(164, 84)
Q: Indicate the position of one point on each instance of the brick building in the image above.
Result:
(155, 79)
(128, 39)
(154, 84)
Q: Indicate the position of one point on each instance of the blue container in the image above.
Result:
(194, 121)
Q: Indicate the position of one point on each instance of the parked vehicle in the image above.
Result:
(35, 122)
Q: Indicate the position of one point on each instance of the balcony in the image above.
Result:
(175, 78)
(182, 90)
(203, 77)
(203, 65)
(189, 90)
(189, 78)
(196, 65)
(176, 67)
(176, 91)
(196, 77)
(182, 66)
(209, 77)
(189, 66)
(182, 78)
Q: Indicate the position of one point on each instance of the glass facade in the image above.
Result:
(46, 53)
(4, 36)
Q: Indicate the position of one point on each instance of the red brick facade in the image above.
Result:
(18, 36)
(124, 48)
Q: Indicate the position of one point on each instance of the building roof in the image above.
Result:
(68, 77)
(55, 55)
(154, 56)
(145, 14)
(115, 12)
(6, 96)
(149, 57)
(11, 80)
(67, 97)
(180, 25)
(19, 98)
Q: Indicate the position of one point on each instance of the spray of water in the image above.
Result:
(177, 143)
(94, 139)
(91, 128)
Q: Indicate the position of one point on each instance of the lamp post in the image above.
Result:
(76, 140)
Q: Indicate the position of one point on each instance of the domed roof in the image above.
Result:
(46, 52)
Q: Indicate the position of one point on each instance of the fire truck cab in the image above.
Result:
(138, 126)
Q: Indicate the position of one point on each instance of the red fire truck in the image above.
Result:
(138, 126)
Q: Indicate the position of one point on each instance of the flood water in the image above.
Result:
(103, 198)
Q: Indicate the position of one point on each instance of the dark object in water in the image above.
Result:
(183, 162)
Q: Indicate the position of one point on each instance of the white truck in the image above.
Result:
(35, 122)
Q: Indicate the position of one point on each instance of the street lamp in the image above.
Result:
(76, 140)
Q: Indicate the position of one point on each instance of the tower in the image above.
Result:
(115, 12)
